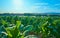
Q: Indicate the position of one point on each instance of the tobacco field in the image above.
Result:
(29, 26)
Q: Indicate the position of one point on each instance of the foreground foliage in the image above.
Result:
(22, 26)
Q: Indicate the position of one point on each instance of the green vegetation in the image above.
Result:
(22, 26)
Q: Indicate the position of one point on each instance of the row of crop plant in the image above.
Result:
(23, 26)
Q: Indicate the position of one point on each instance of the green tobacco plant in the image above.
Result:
(15, 31)
(21, 26)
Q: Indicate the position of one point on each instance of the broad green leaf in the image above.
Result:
(18, 23)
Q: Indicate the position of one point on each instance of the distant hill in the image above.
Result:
(29, 14)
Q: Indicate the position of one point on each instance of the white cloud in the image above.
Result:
(57, 5)
(44, 7)
(39, 7)
(40, 4)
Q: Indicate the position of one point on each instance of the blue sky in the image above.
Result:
(29, 6)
